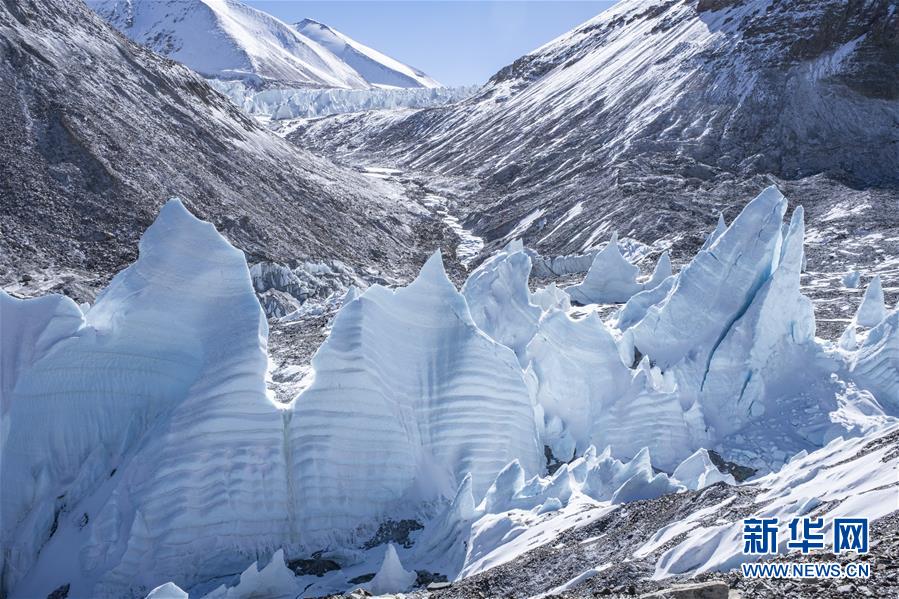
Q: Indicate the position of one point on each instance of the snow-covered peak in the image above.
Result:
(225, 39)
(376, 68)
(228, 40)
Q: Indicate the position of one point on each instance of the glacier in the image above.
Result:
(611, 278)
(150, 417)
(385, 419)
(140, 446)
(283, 103)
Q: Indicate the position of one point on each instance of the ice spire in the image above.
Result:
(610, 279)
(719, 229)
(873, 307)
(662, 271)
(392, 577)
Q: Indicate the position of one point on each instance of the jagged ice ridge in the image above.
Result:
(139, 446)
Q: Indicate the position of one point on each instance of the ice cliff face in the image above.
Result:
(284, 103)
(136, 408)
(417, 395)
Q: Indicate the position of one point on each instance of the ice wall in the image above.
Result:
(409, 396)
(499, 299)
(149, 422)
(290, 103)
(716, 287)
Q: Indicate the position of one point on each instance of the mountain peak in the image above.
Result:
(378, 69)
(225, 39)
(307, 22)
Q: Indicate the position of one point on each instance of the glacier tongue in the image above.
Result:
(284, 103)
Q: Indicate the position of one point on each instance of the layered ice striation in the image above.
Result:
(139, 445)
(400, 384)
(142, 434)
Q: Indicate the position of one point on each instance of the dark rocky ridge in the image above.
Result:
(97, 132)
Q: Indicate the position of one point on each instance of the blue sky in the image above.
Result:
(457, 42)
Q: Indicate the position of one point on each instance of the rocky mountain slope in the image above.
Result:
(97, 132)
(655, 115)
(228, 40)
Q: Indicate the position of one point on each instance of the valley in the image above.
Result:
(282, 316)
